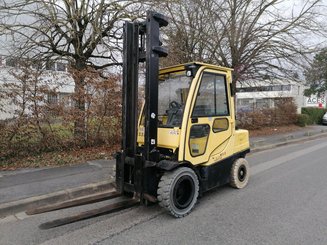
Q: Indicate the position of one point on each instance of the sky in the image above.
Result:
(286, 7)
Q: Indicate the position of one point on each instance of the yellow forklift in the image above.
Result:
(184, 142)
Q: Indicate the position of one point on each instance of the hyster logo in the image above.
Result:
(316, 100)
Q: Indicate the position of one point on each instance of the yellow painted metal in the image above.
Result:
(241, 140)
(167, 137)
(180, 67)
(219, 144)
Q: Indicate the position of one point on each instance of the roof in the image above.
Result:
(262, 83)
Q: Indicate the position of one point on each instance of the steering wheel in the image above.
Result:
(174, 104)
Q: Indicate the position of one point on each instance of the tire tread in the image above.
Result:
(164, 189)
(234, 182)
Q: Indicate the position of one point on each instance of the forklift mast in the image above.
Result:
(141, 44)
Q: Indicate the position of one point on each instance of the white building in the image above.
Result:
(252, 95)
(55, 77)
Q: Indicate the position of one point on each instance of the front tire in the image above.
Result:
(240, 173)
(178, 191)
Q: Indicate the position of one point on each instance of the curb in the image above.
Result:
(59, 196)
(290, 140)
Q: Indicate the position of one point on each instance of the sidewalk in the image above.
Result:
(263, 142)
(26, 188)
(19, 184)
(22, 189)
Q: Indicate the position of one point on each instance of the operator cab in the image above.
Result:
(195, 122)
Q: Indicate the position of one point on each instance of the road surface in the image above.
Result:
(284, 203)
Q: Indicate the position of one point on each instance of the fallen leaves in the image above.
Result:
(59, 158)
(274, 130)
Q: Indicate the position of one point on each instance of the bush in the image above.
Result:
(315, 114)
(303, 120)
(40, 126)
(283, 114)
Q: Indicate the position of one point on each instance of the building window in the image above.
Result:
(50, 65)
(52, 99)
(262, 103)
(277, 88)
(66, 99)
(265, 88)
(61, 66)
(11, 61)
(37, 65)
(286, 87)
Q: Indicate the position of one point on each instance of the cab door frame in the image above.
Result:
(188, 121)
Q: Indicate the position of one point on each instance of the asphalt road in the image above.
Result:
(284, 203)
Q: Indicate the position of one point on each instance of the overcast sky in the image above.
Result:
(285, 7)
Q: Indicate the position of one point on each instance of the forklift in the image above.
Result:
(184, 141)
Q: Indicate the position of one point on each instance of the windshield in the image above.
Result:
(173, 92)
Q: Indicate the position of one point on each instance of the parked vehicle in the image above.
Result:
(324, 119)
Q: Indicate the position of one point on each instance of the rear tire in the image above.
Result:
(178, 191)
(240, 173)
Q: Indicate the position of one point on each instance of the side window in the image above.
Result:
(222, 108)
(198, 139)
(220, 124)
(212, 98)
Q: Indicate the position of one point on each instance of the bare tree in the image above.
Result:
(27, 96)
(85, 33)
(258, 38)
(185, 33)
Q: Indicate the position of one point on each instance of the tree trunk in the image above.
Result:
(80, 132)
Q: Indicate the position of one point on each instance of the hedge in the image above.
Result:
(303, 120)
(315, 114)
(284, 113)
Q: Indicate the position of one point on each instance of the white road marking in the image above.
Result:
(281, 160)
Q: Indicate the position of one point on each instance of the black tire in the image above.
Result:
(178, 191)
(240, 173)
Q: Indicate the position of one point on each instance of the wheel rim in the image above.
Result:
(184, 190)
(242, 173)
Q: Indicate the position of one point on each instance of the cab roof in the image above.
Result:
(181, 67)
